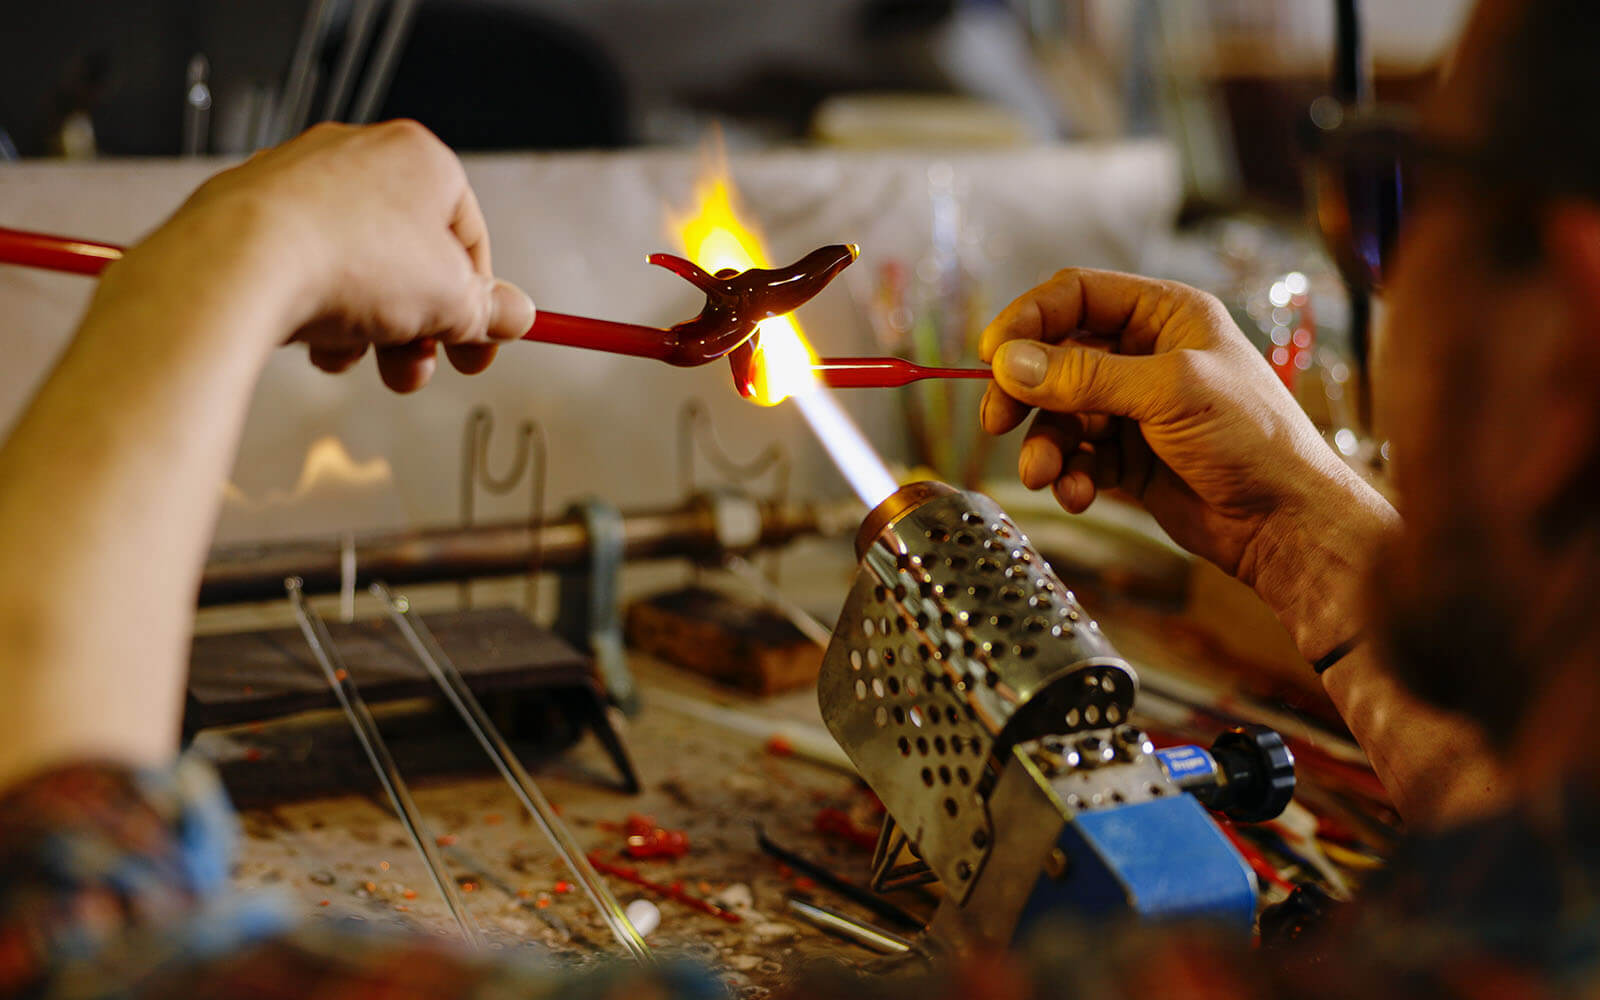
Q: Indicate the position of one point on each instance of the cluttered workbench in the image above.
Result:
(345, 856)
(944, 752)
(754, 785)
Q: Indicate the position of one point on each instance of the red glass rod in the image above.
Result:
(64, 253)
(884, 373)
(600, 335)
(56, 253)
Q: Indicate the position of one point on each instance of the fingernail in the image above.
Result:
(513, 310)
(1025, 363)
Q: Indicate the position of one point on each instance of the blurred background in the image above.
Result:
(1223, 78)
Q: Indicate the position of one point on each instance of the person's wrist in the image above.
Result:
(1308, 562)
(237, 253)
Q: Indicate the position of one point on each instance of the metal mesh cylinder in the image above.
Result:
(957, 640)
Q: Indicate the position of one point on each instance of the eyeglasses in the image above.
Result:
(1358, 184)
(1364, 170)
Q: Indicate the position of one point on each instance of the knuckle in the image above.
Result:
(1188, 365)
(1206, 305)
(1071, 277)
(1072, 375)
(1193, 378)
(407, 130)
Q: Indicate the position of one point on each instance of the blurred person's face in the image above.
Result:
(1486, 387)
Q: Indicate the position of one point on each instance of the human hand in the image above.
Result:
(1148, 388)
(373, 237)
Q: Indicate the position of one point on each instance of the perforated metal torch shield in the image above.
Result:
(957, 640)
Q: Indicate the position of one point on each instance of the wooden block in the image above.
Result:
(708, 632)
(268, 674)
(541, 692)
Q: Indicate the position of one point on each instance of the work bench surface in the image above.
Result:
(347, 856)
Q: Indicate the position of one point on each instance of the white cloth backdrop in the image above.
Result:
(574, 229)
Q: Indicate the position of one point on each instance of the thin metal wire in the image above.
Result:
(363, 14)
(366, 729)
(799, 617)
(381, 70)
(301, 76)
(532, 454)
(694, 425)
(420, 638)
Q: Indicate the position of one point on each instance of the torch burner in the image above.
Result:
(991, 717)
(957, 641)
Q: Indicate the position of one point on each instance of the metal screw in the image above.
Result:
(1056, 864)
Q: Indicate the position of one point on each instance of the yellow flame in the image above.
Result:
(715, 238)
(327, 464)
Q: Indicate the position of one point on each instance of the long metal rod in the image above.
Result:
(362, 15)
(380, 72)
(799, 617)
(366, 729)
(299, 82)
(860, 895)
(255, 571)
(849, 928)
(420, 638)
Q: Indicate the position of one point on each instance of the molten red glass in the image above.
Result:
(735, 300)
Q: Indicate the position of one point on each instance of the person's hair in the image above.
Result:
(1539, 117)
(1455, 642)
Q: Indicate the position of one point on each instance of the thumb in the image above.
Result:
(511, 311)
(1070, 378)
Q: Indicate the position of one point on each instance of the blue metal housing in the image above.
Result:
(1163, 859)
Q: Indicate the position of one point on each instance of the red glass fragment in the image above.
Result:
(673, 892)
(836, 822)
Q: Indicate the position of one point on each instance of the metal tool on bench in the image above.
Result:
(365, 726)
(433, 657)
(419, 639)
(991, 717)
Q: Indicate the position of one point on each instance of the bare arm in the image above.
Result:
(110, 483)
(1147, 387)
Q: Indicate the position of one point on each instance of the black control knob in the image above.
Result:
(1259, 771)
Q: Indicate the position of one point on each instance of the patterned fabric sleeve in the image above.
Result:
(97, 859)
(114, 884)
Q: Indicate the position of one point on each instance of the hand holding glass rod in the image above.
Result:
(736, 302)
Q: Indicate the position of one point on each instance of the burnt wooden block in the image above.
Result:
(743, 645)
(254, 676)
(541, 692)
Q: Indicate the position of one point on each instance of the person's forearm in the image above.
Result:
(1435, 766)
(109, 487)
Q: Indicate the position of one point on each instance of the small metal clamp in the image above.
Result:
(589, 614)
